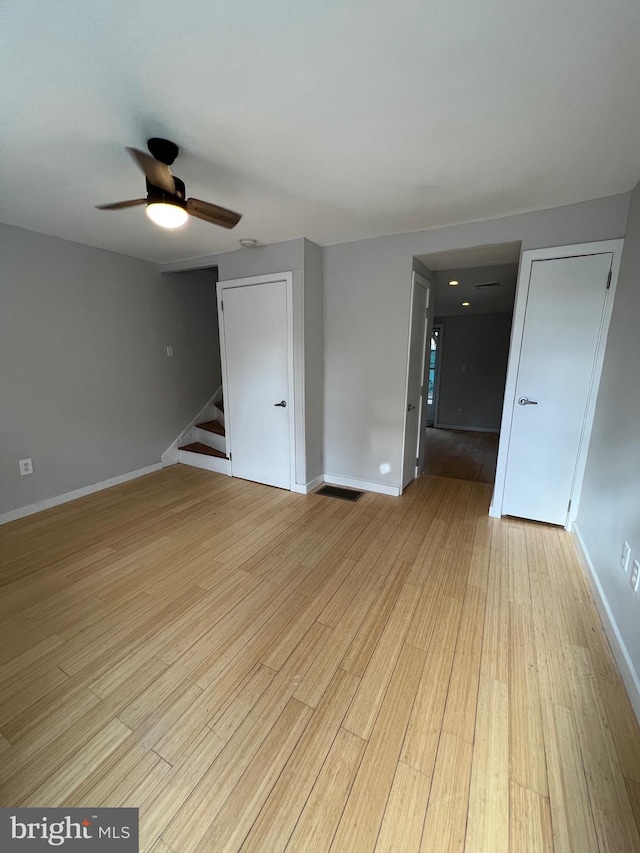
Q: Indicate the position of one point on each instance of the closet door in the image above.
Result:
(564, 313)
(257, 367)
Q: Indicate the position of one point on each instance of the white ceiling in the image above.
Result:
(330, 119)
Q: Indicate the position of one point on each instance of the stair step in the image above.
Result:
(220, 405)
(198, 447)
(212, 426)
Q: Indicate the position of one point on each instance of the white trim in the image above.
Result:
(613, 247)
(295, 441)
(201, 263)
(363, 485)
(465, 428)
(436, 390)
(171, 454)
(417, 280)
(308, 487)
(630, 677)
(30, 509)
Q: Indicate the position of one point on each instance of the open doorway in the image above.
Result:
(468, 355)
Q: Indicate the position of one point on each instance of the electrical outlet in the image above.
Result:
(459, 411)
(635, 575)
(26, 467)
(169, 352)
(625, 556)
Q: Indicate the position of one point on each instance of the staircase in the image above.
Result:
(205, 444)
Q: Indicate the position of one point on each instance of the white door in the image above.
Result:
(415, 397)
(257, 371)
(564, 312)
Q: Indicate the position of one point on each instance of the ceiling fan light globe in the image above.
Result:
(167, 215)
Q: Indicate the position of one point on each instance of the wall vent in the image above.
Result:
(487, 284)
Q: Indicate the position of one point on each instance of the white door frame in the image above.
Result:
(273, 278)
(420, 280)
(614, 247)
(436, 389)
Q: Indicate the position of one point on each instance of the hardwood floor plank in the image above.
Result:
(158, 809)
(233, 822)
(322, 812)
(614, 821)
(225, 723)
(54, 790)
(423, 732)
(446, 819)
(494, 662)
(573, 828)
(526, 743)
(277, 819)
(371, 691)
(530, 829)
(488, 821)
(209, 795)
(404, 816)
(460, 711)
(364, 809)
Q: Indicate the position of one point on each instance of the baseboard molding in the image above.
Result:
(459, 428)
(30, 509)
(362, 485)
(304, 489)
(627, 670)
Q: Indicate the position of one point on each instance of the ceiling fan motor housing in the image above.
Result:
(163, 150)
(157, 195)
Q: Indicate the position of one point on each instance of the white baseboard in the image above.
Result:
(362, 485)
(465, 428)
(305, 488)
(627, 670)
(30, 509)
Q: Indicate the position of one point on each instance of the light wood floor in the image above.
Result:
(266, 671)
(461, 454)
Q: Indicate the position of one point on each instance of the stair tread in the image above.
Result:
(219, 405)
(198, 447)
(212, 426)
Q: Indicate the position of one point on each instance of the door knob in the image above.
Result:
(410, 408)
(525, 401)
(282, 403)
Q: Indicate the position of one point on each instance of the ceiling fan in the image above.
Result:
(165, 201)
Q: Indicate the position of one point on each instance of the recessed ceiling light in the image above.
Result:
(466, 303)
(453, 283)
(247, 243)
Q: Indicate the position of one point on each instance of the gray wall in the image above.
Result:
(304, 259)
(610, 504)
(478, 343)
(367, 286)
(262, 260)
(86, 387)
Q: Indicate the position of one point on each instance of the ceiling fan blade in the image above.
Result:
(212, 213)
(120, 205)
(157, 173)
